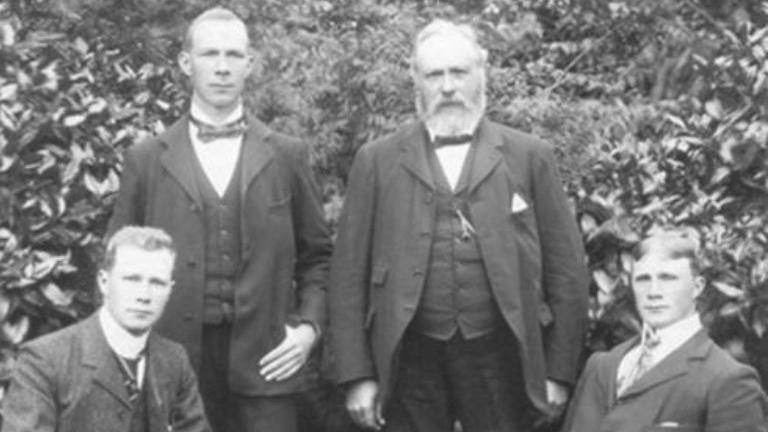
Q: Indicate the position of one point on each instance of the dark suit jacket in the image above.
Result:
(69, 381)
(285, 244)
(699, 386)
(534, 258)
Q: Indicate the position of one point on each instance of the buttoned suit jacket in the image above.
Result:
(285, 244)
(69, 381)
(698, 387)
(532, 254)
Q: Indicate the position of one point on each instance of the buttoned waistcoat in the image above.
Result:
(285, 244)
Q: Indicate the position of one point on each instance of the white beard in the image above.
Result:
(452, 120)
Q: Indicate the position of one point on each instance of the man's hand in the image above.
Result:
(363, 404)
(288, 357)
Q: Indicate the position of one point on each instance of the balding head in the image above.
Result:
(212, 14)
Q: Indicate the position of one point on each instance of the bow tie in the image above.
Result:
(207, 132)
(443, 141)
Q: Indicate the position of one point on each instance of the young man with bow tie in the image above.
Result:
(458, 288)
(671, 377)
(111, 372)
(241, 203)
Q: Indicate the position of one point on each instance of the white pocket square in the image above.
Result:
(518, 204)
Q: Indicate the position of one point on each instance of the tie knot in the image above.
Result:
(651, 339)
(444, 140)
(208, 132)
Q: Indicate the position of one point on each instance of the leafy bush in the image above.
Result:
(656, 107)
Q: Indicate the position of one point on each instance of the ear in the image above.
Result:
(185, 63)
(700, 285)
(102, 279)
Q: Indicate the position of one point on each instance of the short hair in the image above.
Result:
(217, 13)
(146, 238)
(443, 27)
(672, 243)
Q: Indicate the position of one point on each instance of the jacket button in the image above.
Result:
(191, 263)
(189, 317)
(418, 273)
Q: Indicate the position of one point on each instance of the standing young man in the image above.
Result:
(241, 204)
(672, 376)
(111, 372)
(458, 286)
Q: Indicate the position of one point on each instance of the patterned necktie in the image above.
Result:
(644, 363)
(130, 370)
(207, 132)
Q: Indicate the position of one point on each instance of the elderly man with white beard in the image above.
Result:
(458, 289)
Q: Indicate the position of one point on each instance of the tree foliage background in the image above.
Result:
(657, 108)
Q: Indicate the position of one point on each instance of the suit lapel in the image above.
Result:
(414, 147)
(178, 159)
(487, 154)
(98, 356)
(672, 366)
(256, 154)
(607, 375)
(154, 383)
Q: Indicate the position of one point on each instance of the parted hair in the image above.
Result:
(145, 238)
(672, 243)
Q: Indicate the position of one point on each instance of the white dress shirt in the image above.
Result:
(670, 338)
(218, 157)
(451, 159)
(124, 343)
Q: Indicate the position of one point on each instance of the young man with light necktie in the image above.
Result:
(672, 376)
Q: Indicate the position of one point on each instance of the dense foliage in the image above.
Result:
(657, 109)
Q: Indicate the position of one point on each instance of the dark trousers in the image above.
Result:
(228, 412)
(477, 382)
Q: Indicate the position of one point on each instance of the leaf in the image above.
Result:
(56, 296)
(728, 290)
(74, 120)
(15, 332)
(714, 108)
(9, 92)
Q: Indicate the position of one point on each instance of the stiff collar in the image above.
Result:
(122, 342)
(198, 113)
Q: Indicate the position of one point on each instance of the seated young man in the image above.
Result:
(111, 372)
(672, 376)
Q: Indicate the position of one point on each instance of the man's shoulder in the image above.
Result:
(719, 362)
(516, 139)
(64, 338)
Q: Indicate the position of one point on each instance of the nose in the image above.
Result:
(448, 85)
(144, 292)
(654, 289)
(221, 66)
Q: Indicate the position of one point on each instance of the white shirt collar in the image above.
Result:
(676, 334)
(122, 342)
(198, 113)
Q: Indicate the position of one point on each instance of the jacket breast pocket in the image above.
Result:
(378, 279)
(279, 201)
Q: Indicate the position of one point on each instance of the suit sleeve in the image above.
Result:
(564, 273)
(128, 207)
(350, 269)
(736, 403)
(313, 243)
(587, 406)
(187, 412)
(30, 403)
